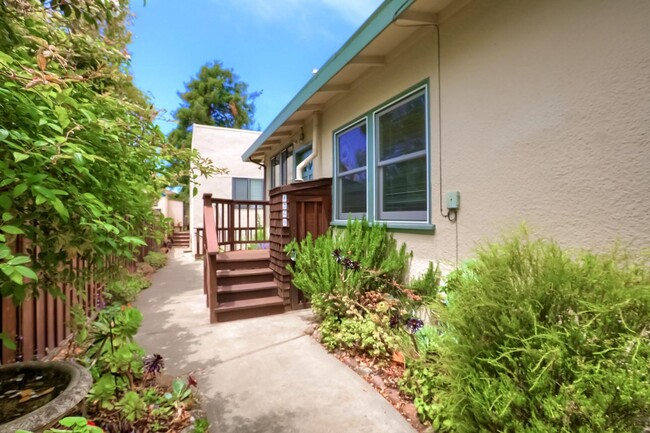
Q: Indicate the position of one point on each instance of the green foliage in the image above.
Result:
(76, 424)
(359, 335)
(201, 425)
(103, 391)
(81, 161)
(156, 260)
(325, 281)
(215, 97)
(420, 377)
(353, 278)
(539, 340)
(126, 289)
(132, 406)
(427, 284)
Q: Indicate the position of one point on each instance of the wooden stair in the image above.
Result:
(181, 239)
(245, 286)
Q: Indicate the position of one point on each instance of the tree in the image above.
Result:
(81, 162)
(216, 97)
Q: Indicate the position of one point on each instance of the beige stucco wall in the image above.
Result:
(171, 209)
(545, 119)
(224, 147)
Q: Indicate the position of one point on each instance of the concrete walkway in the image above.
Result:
(259, 375)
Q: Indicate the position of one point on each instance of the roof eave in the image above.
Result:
(378, 21)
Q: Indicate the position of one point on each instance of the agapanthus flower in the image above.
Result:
(153, 363)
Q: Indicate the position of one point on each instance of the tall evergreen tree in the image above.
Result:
(216, 97)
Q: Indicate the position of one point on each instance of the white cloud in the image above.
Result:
(352, 11)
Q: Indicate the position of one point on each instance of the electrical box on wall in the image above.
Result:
(453, 200)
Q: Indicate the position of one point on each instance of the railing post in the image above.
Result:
(231, 225)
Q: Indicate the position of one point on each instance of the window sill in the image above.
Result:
(402, 227)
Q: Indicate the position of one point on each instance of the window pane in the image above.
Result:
(402, 129)
(275, 173)
(257, 189)
(239, 188)
(308, 171)
(404, 186)
(353, 193)
(352, 148)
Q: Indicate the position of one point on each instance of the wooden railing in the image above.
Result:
(229, 225)
(240, 224)
(198, 237)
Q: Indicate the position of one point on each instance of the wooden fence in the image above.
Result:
(42, 321)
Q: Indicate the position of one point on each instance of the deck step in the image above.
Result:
(247, 259)
(229, 277)
(238, 292)
(249, 308)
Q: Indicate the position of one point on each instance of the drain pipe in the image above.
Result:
(314, 148)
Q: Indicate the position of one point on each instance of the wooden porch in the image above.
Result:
(243, 244)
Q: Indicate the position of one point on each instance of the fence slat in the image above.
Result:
(27, 330)
(8, 329)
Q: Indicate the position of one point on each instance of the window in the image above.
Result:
(401, 141)
(351, 178)
(282, 167)
(301, 155)
(247, 189)
(381, 164)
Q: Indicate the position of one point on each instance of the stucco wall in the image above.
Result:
(545, 119)
(224, 147)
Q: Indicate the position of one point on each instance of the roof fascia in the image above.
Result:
(378, 21)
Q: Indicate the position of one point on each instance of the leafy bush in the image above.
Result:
(156, 260)
(125, 290)
(320, 268)
(539, 340)
(419, 379)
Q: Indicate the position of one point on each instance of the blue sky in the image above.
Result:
(273, 45)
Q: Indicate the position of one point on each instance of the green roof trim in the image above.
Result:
(378, 21)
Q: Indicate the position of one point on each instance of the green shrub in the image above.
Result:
(419, 379)
(125, 290)
(156, 260)
(539, 340)
(323, 278)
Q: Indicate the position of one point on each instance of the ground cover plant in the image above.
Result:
(156, 259)
(537, 339)
(127, 395)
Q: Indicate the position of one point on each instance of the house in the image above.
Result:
(453, 121)
(243, 180)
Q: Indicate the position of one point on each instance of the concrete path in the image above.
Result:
(259, 375)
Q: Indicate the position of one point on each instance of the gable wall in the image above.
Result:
(545, 118)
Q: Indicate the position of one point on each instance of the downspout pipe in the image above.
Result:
(315, 145)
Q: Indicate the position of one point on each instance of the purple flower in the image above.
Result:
(153, 363)
(395, 320)
(413, 325)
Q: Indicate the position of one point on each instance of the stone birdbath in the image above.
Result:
(35, 394)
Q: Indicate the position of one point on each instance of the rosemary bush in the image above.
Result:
(318, 269)
(539, 340)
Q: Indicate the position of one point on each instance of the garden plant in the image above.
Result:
(525, 337)
(81, 161)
